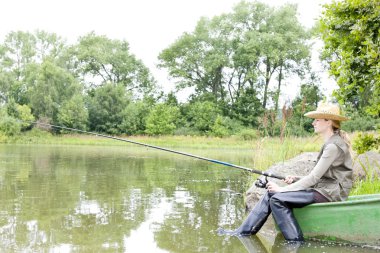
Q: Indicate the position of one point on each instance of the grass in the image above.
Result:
(366, 186)
(371, 183)
(265, 151)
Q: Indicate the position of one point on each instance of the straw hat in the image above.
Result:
(326, 111)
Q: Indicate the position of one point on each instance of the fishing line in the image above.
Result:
(266, 174)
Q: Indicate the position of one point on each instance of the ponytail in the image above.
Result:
(343, 135)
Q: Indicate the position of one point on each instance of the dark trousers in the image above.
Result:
(280, 205)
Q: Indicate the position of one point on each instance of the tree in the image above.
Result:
(202, 115)
(229, 53)
(73, 113)
(274, 40)
(102, 60)
(20, 55)
(197, 59)
(350, 31)
(20, 112)
(106, 108)
(49, 88)
(17, 52)
(308, 99)
(247, 108)
(162, 119)
(134, 117)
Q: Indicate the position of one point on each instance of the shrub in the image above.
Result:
(248, 134)
(360, 122)
(365, 142)
(219, 128)
(162, 119)
(9, 126)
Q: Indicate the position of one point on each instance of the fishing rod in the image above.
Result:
(259, 183)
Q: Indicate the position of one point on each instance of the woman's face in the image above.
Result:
(322, 125)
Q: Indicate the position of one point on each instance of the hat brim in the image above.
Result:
(320, 115)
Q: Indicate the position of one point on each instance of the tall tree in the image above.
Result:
(20, 55)
(17, 53)
(350, 31)
(276, 41)
(49, 88)
(102, 60)
(197, 59)
(228, 53)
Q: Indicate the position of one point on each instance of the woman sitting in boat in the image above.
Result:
(330, 180)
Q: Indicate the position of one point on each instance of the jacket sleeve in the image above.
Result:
(329, 155)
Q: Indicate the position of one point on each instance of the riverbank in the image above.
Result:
(265, 151)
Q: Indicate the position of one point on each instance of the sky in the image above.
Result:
(149, 26)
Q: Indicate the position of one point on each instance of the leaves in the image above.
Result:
(350, 31)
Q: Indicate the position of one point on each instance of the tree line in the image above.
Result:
(235, 64)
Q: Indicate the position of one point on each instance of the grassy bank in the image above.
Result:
(265, 151)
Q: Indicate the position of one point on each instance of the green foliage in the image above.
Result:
(22, 53)
(187, 131)
(361, 122)
(308, 99)
(365, 142)
(25, 115)
(350, 31)
(41, 72)
(52, 87)
(202, 115)
(366, 186)
(247, 108)
(134, 117)
(106, 108)
(371, 183)
(73, 113)
(16, 116)
(225, 56)
(9, 126)
(162, 120)
(109, 61)
(220, 128)
(248, 134)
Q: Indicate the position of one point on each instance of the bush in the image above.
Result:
(162, 119)
(365, 142)
(220, 128)
(361, 123)
(3, 138)
(135, 118)
(9, 126)
(25, 114)
(248, 134)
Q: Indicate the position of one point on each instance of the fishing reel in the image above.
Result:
(261, 182)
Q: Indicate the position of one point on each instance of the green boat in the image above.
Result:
(355, 220)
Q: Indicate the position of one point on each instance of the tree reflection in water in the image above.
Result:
(124, 199)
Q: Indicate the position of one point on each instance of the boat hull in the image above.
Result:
(355, 220)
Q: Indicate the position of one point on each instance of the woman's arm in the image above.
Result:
(329, 155)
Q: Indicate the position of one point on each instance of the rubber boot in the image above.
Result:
(282, 204)
(254, 221)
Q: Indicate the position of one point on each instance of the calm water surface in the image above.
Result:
(127, 199)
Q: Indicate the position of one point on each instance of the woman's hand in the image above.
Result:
(290, 179)
(273, 187)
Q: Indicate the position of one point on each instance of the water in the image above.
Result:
(127, 199)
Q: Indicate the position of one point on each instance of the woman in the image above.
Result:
(330, 180)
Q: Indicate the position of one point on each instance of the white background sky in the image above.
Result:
(148, 25)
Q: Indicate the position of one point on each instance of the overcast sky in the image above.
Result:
(148, 25)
